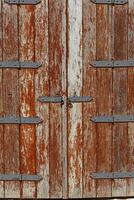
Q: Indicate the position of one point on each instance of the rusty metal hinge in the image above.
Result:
(19, 64)
(31, 2)
(112, 119)
(20, 177)
(112, 64)
(117, 2)
(20, 120)
(112, 175)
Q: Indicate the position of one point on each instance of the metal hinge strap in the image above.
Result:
(31, 2)
(112, 64)
(112, 119)
(118, 2)
(52, 99)
(112, 175)
(20, 120)
(19, 64)
(79, 99)
(20, 177)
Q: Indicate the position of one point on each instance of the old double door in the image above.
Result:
(63, 150)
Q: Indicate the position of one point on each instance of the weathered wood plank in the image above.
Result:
(120, 140)
(104, 97)
(27, 96)
(75, 88)
(130, 183)
(89, 89)
(56, 48)
(11, 98)
(64, 106)
(1, 110)
(42, 89)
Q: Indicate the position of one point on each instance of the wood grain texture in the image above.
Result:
(104, 97)
(42, 89)
(1, 109)
(11, 98)
(75, 88)
(89, 89)
(64, 106)
(27, 97)
(56, 16)
(120, 139)
(130, 166)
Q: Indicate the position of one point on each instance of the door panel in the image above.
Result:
(65, 36)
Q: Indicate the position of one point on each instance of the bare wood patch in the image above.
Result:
(75, 88)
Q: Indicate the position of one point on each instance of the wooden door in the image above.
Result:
(66, 124)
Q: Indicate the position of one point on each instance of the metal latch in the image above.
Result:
(20, 120)
(112, 175)
(112, 64)
(112, 119)
(20, 177)
(59, 99)
(52, 99)
(118, 2)
(19, 64)
(32, 2)
(78, 99)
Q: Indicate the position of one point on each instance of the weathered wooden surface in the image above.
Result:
(27, 96)
(130, 166)
(11, 98)
(64, 36)
(42, 76)
(120, 139)
(103, 97)
(75, 88)
(89, 89)
(1, 110)
(55, 76)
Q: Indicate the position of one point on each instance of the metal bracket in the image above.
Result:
(20, 177)
(31, 2)
(118, 2)
(112, 64)
(112, 119)
(79, 99)
(114, 175)
(19, 64)
(53, 99)
(20, 120)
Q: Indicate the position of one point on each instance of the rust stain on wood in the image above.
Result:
(120, 93)
(27, 94)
